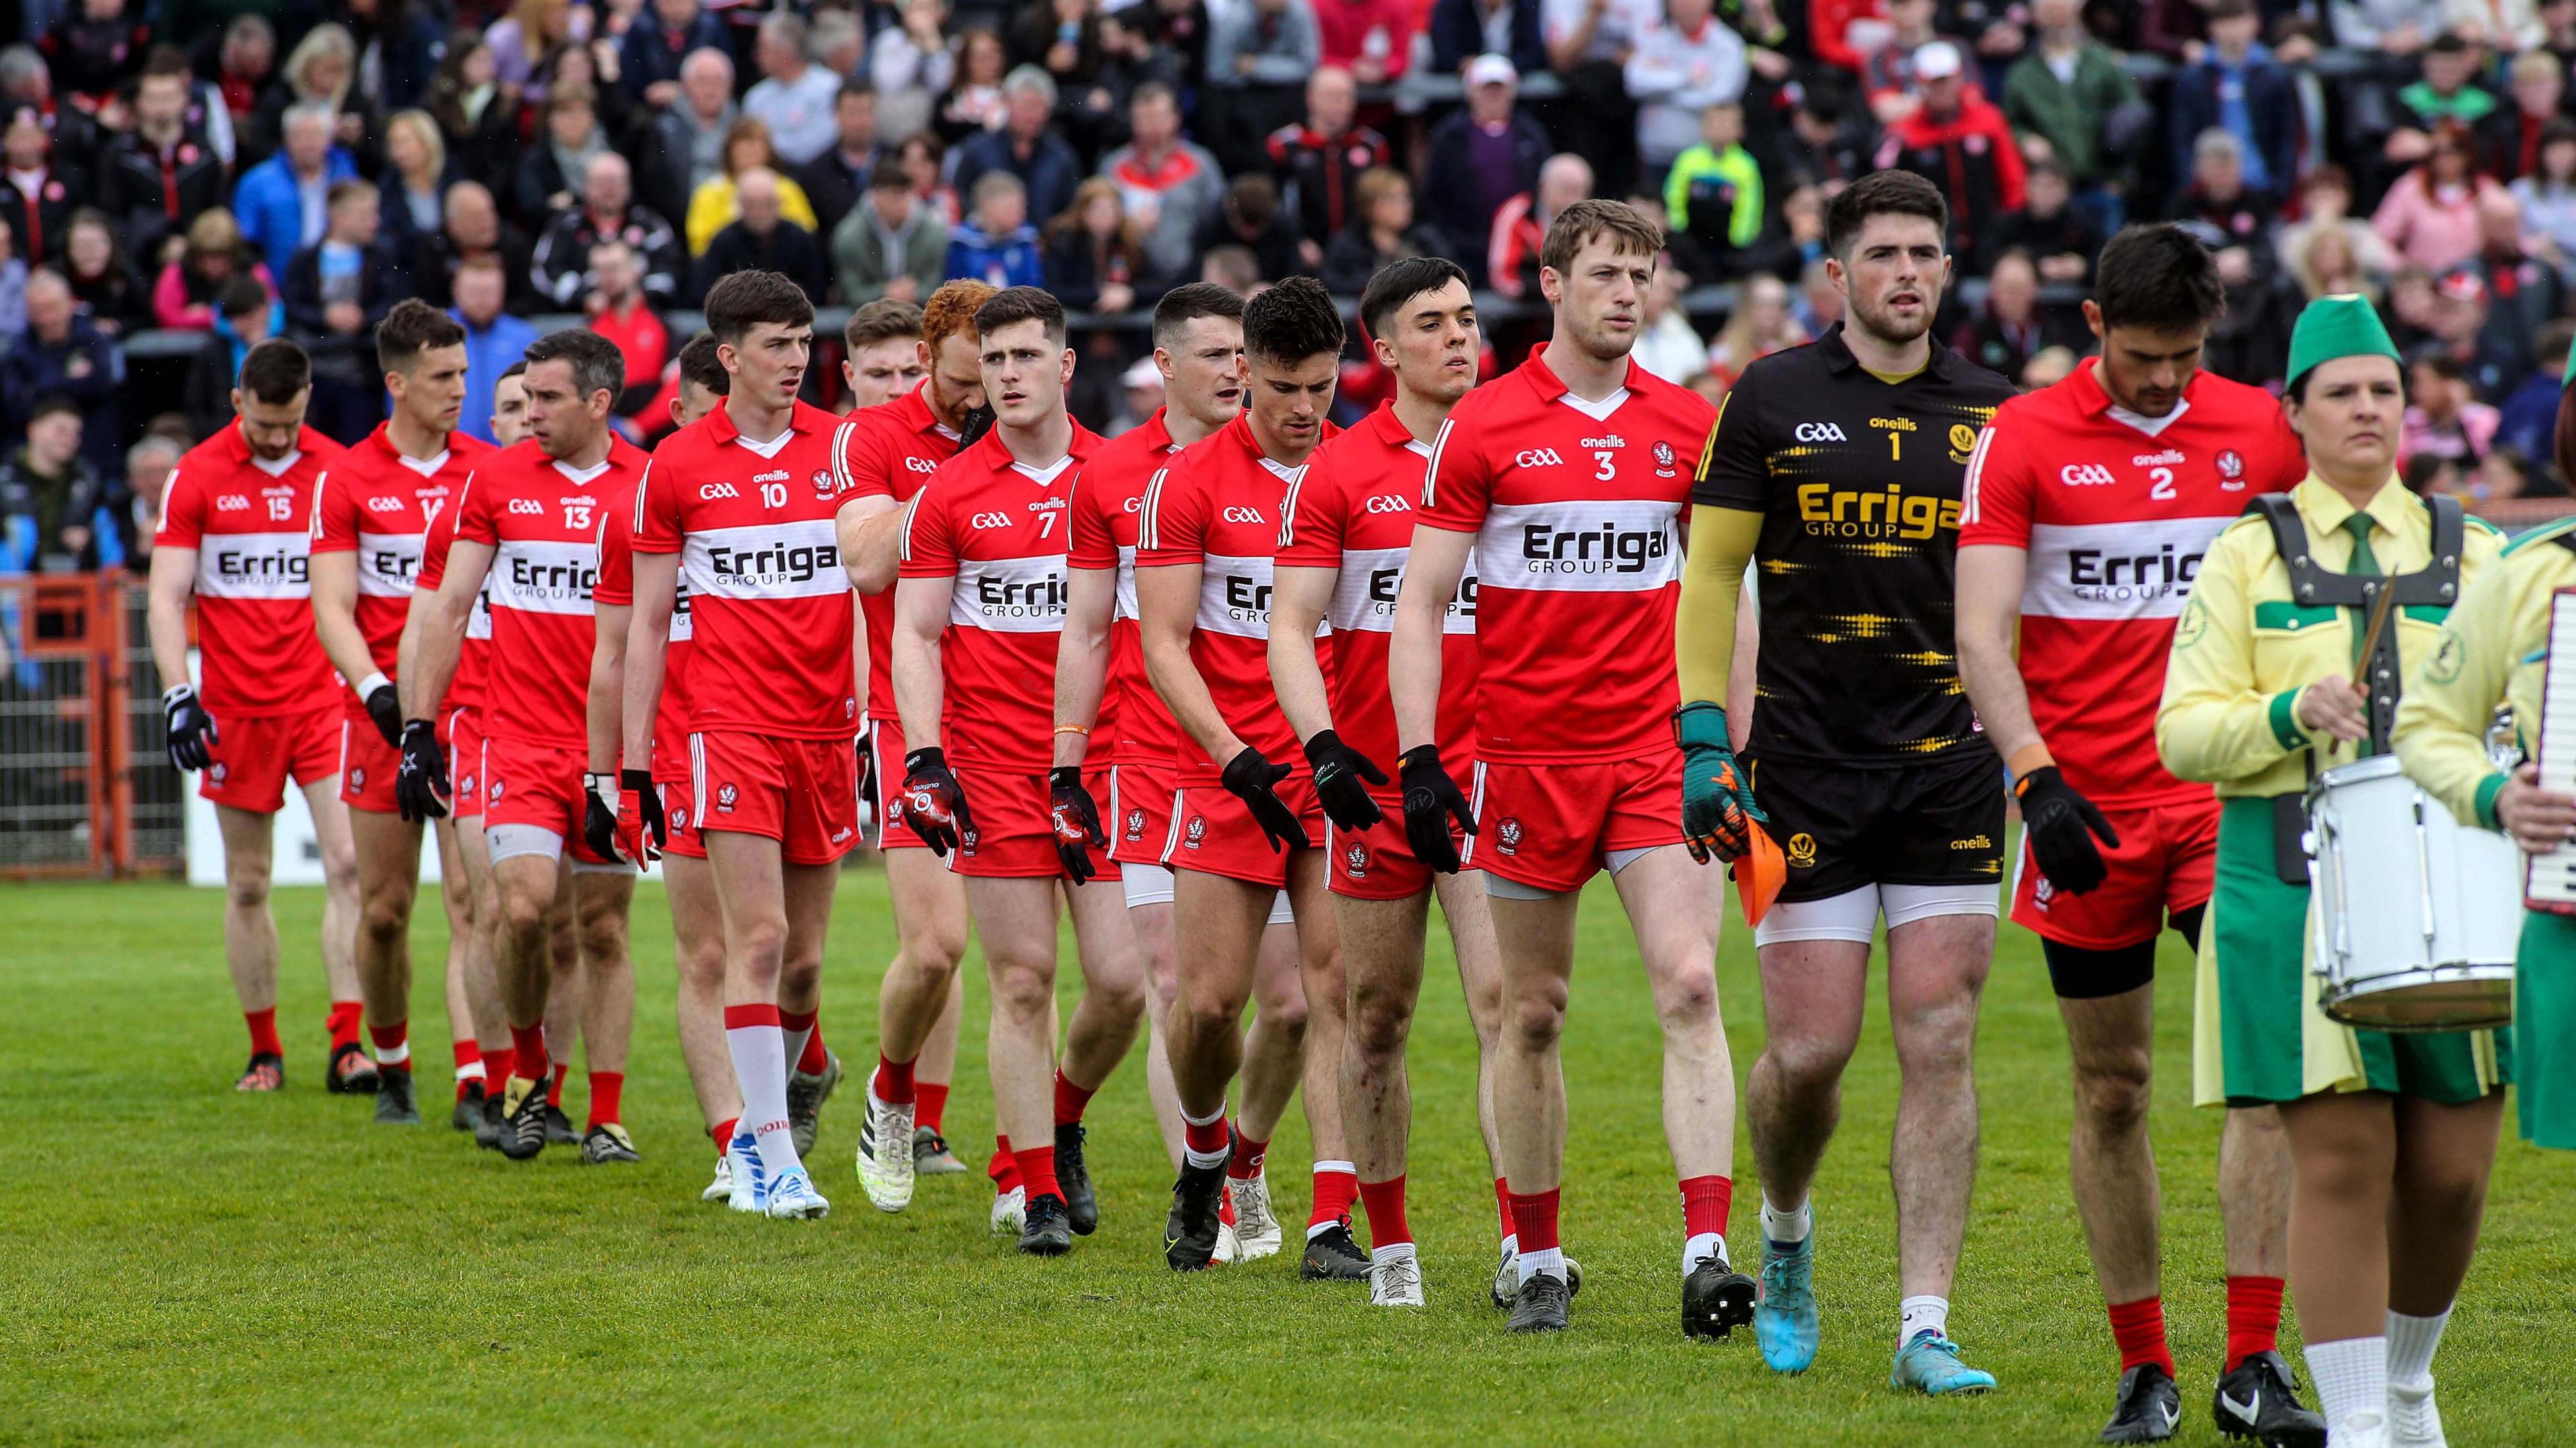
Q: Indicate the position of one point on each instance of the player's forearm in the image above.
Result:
(1989, 618)
(860, 663)
(869, 573)
(1721, 544)
(166, 614)
(920, 689)
(1082, 662)
(1297, 678)
(606, 705)
(335, 617)
(648, 648)
(407, 647)
(1176, 679)
(441, 643)
(875, 554)
(1413, 664)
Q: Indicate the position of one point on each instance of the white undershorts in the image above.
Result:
(1152, 885)
(1853, 915)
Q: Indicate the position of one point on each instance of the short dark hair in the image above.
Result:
(49, 404)
(700, 364)
(1292, 321)
(1882, 193)
(242, 296)
(1627, 228)
(882, 320)
(411, 328)
(348, 189)
(275, 371)
(597, 365)
(520, 368)
(2155, 275)
(1021, 304)
(164, 60)
(746, 299)
(1187, 303)
(1153, 90)
(856, 85)
(1399, 282)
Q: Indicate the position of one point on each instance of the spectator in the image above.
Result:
(472, 226)
(974, 102)
(1319, 161)
(922, 160)
(51, 499)
(1760, 325)
(1820, 302)
(2431, 215)
(1829, 139)
(652, 49)
(911, 64)
(280, 201)
(717, 204)
(558, 266)
(567, 138)
(592, 67)
(148, 466)
(2539, 88)
(477, 122)
(1372, 39)
(493, 340)
(2527, 420)
(1714, 194)
(2325, 204)
(1060, 37)
(2325, 265)
(414, 185)
(1140, 396)
(246, 315)
(13, 286)
(321, 71)
(205, 111)
(522, 39)
(761, 238)
(619, 310)
(1892, 77)
(1167, 187)
(399, 44)
(838, 44)
(835, 180)
(891, 245)
(1259, 55)
(1130, 60)
(1590, 42)
(2447, 92)
(1251, 217)
(2393, 27)
(1958, 141)
(997, 245)
(95, 48)
(214, 254)
(244, 67)
(2547, 193)
(1463, 30)
(794, 97)
(158, 177)
(1026, 147)
(1234, 268)
(2061, 241)
(2443, 417)
(62, 353)
(688, 139)
(2523, 292)
(1488, 152)
(2558, 29)
(2237, 87)
(2010, 326)
(1092, 261)
(102, 280)
(1676, 73)
(1511, 253)
(40, 200)
(1667, 345)
(336, 291)
(1382, 230)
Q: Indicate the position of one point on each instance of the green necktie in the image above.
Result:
(2363, 563)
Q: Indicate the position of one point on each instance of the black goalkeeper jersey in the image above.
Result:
(1858, 484)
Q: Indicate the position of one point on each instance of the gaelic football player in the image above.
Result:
(235, 540)
(882, 358)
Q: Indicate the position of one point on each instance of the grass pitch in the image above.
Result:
(185, 1265)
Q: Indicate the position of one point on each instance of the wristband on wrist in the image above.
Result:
(1073, 729)
(368, 685)
(175, 693)
(638, 780)
(603, 785)
(2027, 760)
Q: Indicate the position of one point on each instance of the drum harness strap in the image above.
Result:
(2437, 586)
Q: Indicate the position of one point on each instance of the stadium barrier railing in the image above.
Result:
(68, 734)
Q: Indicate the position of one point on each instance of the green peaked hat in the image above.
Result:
(2344, 325)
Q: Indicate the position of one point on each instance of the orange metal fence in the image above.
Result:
(79, 708)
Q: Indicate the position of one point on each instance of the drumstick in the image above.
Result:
(2370, 641)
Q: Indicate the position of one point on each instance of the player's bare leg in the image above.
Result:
(1535, 952)
(697, 931)
(1099, 1034)
(1274, 1063)
(1480, 976)
(774, 917)
(1331, 1252)
(456, 895)
(1222, 921)
(387, 852)
(1936, 974)
(340, 932)
(2110, 1044)
(526, 968)
(602, 900)
(1157, 956)
(567, 1000)
(930, 913)
(250, 938)
(482, 973)
(933, 1073)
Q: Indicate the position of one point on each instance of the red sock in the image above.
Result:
(894, 1084)
(1246, 1161)
(1385, 1203)
(930, 1102)
(1705, 1200)
(1335, 1189)
(396, 1037)
(722, 1133)
(2139, 1329)
(496, 1069)
(2253, 1317)
(528, 1052)
(1534, 1217)
(468, 1055)
(1225, 1207)
(1503, 1204)
(1205, 1138)
(344, 1022)
(554, 1089)
(1070, 1100)
(605, 1087)
(1037, 1171)
(815, 1059)
(263, 1032)
(1005, 1170)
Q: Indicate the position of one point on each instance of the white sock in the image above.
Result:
(470, 1071)
(1788, 1228)
(1551, 1262)
(1205, 1159)
(760, 1069)
(1917, 1314)
(1702, 1245)
(1393, 1251)
(2351, 1375)
(2411, 1341)
(401, 1056)
(1512, 1244)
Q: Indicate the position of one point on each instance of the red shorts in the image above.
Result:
(1014, 834)
(803, 793)
(1551, 826)
(885, 756)
(538, 785)
(252, 757)
(684, 841)
(1212, 832)
(1137, 811)
(462, 731)
(2164, 862)
(1378, 863)
(367, 767)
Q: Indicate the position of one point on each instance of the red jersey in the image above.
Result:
(542, 518)
(474, 659)
(752, 523)
(1356, 514)
(1575, 506)
(376, 503)
(1219, 505)
(1133, 725)
(616, 587)
(996, 526)
(893, 450)
(251, 524)
(2116, 511)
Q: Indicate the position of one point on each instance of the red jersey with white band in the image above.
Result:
(752, 523)
(617, 589)
(377, 504)
(1218, 505)
(997, 526)
(541, 518)
(2116, 511)
(1356, 513)
(251, 523)
(1134, 728)
(1576, 508)
(474, 660)
(892, 451)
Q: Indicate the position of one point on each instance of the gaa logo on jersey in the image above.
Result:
(1355, 861)
(1539, 457)
(2231, 469)
(1507, 836)
(725, 796)
(1664, 460)
(1135, 825)
(1196, 832)
(2085, 475)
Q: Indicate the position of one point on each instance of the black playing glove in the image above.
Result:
(1339, 770)
(191, 729)
(1076, 818)
(2061, 825)
(934, 803)
(599, 815)
(420, 786)
(1252, 778)
(384, 706)
(1431, 800)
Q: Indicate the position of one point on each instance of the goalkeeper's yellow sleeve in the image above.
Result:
(1721, 544)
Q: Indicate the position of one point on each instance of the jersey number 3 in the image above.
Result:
(1609, 470)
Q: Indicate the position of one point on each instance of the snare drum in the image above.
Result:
(2417, 917)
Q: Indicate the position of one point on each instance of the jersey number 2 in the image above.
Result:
(2163, 491)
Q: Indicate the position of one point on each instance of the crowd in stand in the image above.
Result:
(241, 171)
